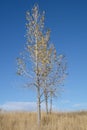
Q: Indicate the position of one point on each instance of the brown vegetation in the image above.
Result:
(55, 121)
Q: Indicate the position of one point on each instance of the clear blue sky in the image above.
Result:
(68, 23)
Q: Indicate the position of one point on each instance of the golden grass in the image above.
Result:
(56, 121)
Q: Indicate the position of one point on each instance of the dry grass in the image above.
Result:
(56, 121)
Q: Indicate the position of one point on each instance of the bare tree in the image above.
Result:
(55, 78)
(39, 61)
(37, 52)
(48, 69)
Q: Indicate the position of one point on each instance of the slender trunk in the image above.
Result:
(37, 73)
(38, 106)
(46, 103)
(50, 104)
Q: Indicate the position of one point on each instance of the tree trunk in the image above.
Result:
(46, 103)
(50, 104)
(38, 106)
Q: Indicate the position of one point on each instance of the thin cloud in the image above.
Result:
(80, 105)
(11, 106)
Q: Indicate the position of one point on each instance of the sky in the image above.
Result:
(68, 23)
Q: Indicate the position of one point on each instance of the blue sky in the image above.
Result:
(68, 23)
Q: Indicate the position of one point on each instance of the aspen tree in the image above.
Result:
(36, 51)
(47, 69)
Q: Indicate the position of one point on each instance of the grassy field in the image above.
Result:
(56, 121)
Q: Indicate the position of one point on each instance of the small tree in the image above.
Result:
(47, 72)
(59, 75)
(55, 77)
